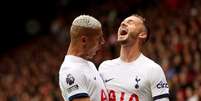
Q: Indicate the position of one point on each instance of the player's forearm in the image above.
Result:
(163, 99)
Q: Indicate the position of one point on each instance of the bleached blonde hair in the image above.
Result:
(84, 25)
(86, 21)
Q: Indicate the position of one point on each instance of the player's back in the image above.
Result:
(139, 80)
(79, 78)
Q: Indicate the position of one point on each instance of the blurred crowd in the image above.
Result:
(175, 44)
(30, 71)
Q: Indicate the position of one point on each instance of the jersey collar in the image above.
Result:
(134, 61)
(75, 58)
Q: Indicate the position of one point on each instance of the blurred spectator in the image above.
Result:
(30, 71)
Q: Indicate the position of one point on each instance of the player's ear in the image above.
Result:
(143, 35)
(84, 40)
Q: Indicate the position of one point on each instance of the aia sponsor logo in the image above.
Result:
(113, 96)
(103, 96)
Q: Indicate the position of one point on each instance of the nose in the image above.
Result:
(123, 24)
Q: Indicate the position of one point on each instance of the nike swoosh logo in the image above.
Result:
(108, 80)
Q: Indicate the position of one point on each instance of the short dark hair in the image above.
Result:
(147, 29)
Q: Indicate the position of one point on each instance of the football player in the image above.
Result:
(78, 77)
(133, 76)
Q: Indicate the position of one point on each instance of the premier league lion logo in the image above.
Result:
(70, 79)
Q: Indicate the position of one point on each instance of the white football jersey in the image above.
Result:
(140, 80)
(80, 78)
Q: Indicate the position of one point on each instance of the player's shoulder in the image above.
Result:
(71, 71)
(150, 63)
(91, 63)
(151, 68)
(67, 66)
(72, 67)
(109, 63)
(70, 63)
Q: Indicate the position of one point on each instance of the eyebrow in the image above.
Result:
(130, 20)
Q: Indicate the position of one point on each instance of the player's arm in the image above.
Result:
(82, 99)
(159, 85)
(73, 86)
(163, 99)
(79, 97)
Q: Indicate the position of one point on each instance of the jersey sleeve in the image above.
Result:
(101, 70)
(158, 83)
(73, 85)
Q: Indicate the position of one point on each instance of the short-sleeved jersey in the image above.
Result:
(80, 78)
(140, 80)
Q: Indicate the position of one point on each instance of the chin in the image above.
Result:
(122, 41)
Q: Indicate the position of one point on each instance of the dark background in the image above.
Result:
(17, 13)
(34, 38)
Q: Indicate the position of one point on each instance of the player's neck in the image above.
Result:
(130, 53)
(75, 51)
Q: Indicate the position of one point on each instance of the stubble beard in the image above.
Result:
(122, 42)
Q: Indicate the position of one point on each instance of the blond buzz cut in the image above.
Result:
(84, 25)
(86, 21)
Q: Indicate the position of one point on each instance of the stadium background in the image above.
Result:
(34, 39)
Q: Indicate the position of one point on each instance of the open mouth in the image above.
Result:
(123, 32)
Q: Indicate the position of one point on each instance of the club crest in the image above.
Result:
(137, 81)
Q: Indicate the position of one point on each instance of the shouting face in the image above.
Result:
(129, 29)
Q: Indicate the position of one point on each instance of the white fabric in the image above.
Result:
(193, 98)
(142, 78)
(87, 79)
(163, 99)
